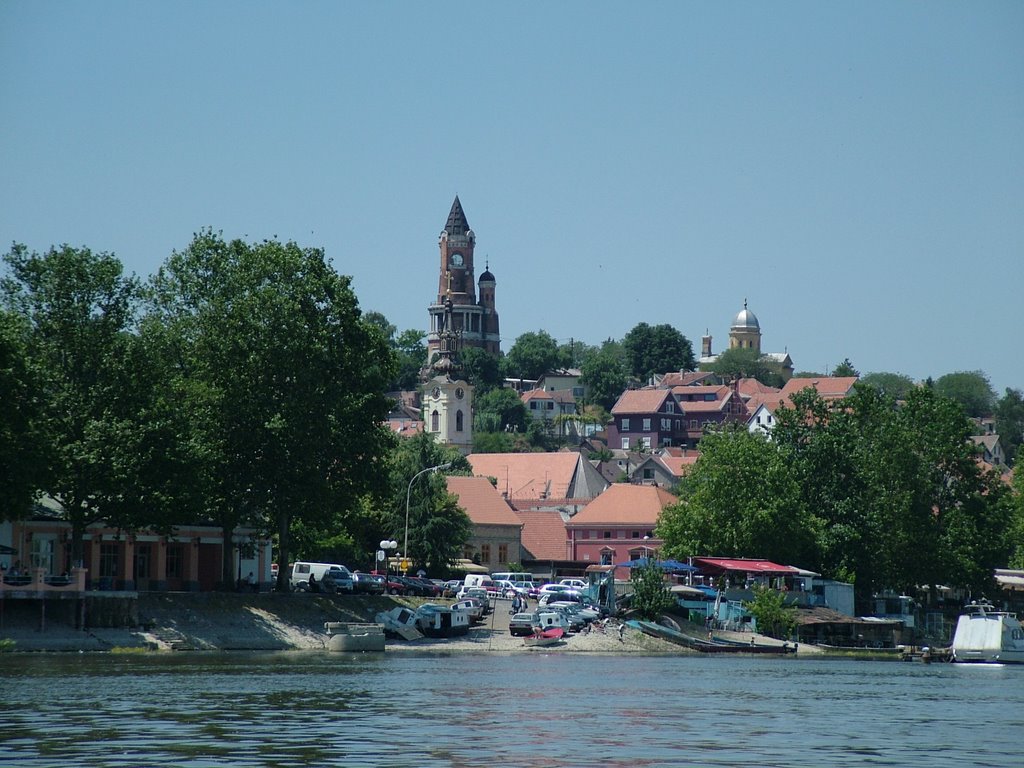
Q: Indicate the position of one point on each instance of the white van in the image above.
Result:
(338, 577)
(515, 577)
(478, 580)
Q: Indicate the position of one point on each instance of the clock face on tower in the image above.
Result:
(460, 392)
(456, 260)
(436, 393)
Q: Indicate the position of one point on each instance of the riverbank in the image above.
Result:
(280, 622)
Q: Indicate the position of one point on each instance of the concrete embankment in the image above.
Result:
(222, 621)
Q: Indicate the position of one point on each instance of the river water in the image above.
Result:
(552, 710)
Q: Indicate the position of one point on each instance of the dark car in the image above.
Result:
(427, 587)
(368, 584)
(413, 587)
(337, 580)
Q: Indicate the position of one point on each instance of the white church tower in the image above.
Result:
(447, 398)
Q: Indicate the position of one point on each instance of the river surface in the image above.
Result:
(552, 710)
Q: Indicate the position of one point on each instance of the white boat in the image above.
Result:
(985, 634)
(442, 621)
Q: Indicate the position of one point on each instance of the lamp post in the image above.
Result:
(388, 545)
(647, 550)
(408, 492)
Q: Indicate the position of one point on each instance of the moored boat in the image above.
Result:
(544, 637)
(987, 635)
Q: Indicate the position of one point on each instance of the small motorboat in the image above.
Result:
(544, 637)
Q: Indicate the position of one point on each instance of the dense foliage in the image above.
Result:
(657, 349)
(651, 597)
(869, 491)
(774, 618)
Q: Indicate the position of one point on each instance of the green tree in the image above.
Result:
(741, 499)
(284, 380)
(575, 352)
(774, 618)
(969, 388)
(657, 349)
(532, 355)
(22, 449)
(411, 349)
(437, 527)
(481, 369)
(500, 410)
(1010, 422)
(746, 363)
(651, 597)
(845, 368)
(492, 442)
(79, 308)
(605, 374)
(895, 385)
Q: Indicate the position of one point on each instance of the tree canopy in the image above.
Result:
(284, 379)
(969, 388)
(533, 354)
(746, 363)
(77, 310)
(894, 385)
(605, 375)
(657, 349)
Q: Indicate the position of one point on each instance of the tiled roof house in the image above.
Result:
(618, 525)
(497, 530)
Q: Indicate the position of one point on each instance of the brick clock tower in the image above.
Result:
(474, 320)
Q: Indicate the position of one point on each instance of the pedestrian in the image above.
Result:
(251, 579)
(622, 632)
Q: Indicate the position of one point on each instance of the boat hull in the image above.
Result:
(987, 636)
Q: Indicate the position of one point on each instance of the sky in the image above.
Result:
(854, 170)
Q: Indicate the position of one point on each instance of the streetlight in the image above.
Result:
(408, 491)
(647, 550)
(388, 545)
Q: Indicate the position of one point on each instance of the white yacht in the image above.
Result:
(985, 634)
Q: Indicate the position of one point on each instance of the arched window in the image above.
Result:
(435, 422)
(458, 421)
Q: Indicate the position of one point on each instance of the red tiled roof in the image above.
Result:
(829, 387)
(405, 426)
(559, 396)
(544, 536)
(769, 401)
(624, 504)
(751, 387)
(640, 401)
(679, 465)
(481, 500)
(684, 379)
(718, 390)
(528, 475)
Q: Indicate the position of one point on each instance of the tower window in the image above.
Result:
(458, 421)
(435, 422)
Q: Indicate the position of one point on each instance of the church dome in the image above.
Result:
(486, 277)
(746, 320)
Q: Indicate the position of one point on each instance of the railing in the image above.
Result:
(41, 581)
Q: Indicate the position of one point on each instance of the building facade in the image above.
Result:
(474, 317)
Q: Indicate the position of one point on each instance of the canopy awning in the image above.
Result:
(468, 566)
(5, 550)
(665, 565)
(722, 564)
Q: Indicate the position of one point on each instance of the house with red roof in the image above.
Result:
(497, 530)
(562, 480)
(545, 405)
(708, 406)
(618, 525)
(827, 387)
(646, 419)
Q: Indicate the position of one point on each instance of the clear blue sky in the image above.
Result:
(856, 170)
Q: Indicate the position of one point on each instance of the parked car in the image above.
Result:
(574, 583)
(473, 606)
(337, 580)
(479, 593)
(368, 584)
(566, 595)
(522, 624)
(393, 587)
(574, 620)
(549, 588)
(451, 588)
(426, 586)
(509, 588)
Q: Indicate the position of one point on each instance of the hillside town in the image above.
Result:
(558, 462)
